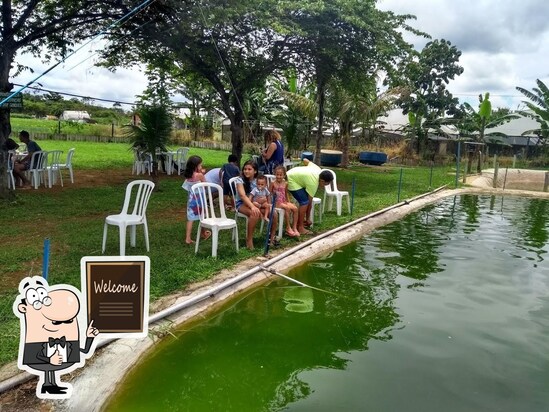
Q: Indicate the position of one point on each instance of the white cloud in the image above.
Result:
(79, 76)
(503, 44)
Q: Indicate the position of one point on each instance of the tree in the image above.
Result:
(233, 44)
(201, 98)
(474, 123)
(426, 75)
(296, 111)
(32, 26)
(355, 103)
(341, 37)
(152, 134)
(539, 106)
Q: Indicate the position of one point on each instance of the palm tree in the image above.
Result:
(361, 105)
(539, 108)
(475, 123)
(297, 111)
(152, 134)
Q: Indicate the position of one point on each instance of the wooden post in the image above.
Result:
(514, 160)
(466, 169)
(495, 183)
(546, 183)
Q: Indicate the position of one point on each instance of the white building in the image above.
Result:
(75, 115)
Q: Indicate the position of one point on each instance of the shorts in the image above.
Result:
(26, 165)
(227, 189)
(301, 196)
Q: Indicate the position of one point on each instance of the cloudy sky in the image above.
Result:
(504, 44)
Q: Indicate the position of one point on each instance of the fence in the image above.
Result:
(79, 138)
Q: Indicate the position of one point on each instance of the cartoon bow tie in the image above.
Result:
(52, 342)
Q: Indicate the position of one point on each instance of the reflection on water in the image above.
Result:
(446, 309)
(299, 299)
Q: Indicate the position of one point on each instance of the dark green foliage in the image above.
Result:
(152, 134)
(539, 108)
(425, 76)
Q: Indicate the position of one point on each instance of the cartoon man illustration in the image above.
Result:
(50, 337)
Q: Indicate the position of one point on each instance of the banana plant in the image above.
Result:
(538, 109)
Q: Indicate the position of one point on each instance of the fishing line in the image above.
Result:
(274, 272)
(41, 89)
(226, 71)
(102, 32)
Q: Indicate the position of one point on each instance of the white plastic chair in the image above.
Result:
(316, 202)
(143, 190)
(279, 210)
(11, 160)
(331, 191)
(53, 168)
(168, 162)
(237, 214)
(38, 166)
(136, 167)
(210, 217)
(141, 162)
(68, 164)
(180, 159)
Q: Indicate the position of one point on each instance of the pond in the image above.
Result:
(446, 309)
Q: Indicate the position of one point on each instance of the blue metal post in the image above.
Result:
(458, 161)
(353, 195)
(46, 259)
(270, 225)
(399, 186)
(431, 175)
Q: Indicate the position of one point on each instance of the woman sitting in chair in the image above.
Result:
(244, 205)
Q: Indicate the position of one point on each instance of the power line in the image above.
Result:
(127, 15)
(76, 95)
(41, 89)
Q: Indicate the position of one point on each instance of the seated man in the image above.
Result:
(303, 182)
(24, 164)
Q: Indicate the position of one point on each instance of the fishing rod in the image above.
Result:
(275, 272)
(269, 226)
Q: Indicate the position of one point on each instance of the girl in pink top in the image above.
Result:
(194, 173)
(280, 187)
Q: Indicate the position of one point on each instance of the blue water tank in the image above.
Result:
(330, 157)
(372, 158)
(307, 155)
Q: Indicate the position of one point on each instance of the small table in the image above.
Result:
(19, 155)
(168, 162)
(288, 164)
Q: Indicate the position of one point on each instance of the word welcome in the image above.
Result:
(114, 287)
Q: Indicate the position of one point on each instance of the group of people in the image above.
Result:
(24, 163)
(253, 194)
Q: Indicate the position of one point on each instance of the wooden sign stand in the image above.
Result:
(116, 292)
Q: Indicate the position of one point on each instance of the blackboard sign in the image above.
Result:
(15, 102)
(116, 289)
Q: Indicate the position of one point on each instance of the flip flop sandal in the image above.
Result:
(291, 233)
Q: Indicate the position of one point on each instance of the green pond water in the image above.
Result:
(445, 310)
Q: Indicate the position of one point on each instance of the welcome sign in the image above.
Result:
(116, 289)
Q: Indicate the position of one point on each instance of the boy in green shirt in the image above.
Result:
(303, 182)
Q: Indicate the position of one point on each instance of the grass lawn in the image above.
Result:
(70, 128)
(72, 218)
